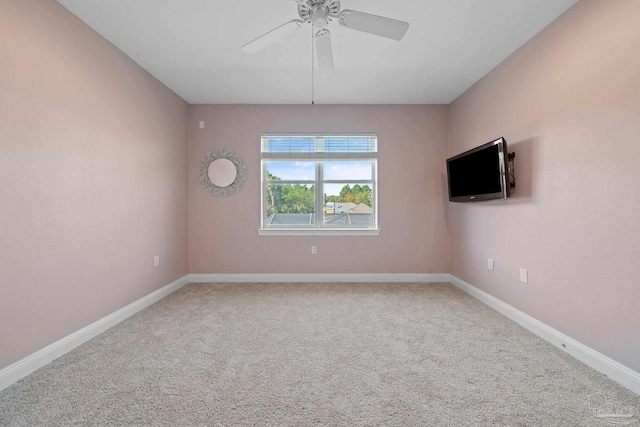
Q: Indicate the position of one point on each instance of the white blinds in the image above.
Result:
(319, 147)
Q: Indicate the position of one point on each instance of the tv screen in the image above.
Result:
(479, 174)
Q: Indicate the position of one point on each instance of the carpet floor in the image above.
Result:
(317, 355)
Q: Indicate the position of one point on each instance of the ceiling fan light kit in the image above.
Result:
(320, 13)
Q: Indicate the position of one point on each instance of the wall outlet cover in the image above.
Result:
(524, 275)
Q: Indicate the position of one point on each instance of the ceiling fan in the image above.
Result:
(320, 13)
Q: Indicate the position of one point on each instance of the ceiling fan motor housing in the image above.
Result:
(317, 12)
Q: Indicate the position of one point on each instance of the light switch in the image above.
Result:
(524, 275)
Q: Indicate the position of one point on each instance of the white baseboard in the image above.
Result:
(319, 277)
(590, 357)
(31, 363)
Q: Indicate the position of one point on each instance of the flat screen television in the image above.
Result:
(479, 174)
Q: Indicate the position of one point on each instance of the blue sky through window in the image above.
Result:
(343, 170)
(292, 170)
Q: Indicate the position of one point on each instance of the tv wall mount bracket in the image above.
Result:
(511, 160)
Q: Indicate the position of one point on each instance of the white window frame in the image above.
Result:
(319, 157)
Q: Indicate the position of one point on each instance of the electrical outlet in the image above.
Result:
(314, 250)
(156, 261)
(524, 275)
(490, 264)
(201, 124)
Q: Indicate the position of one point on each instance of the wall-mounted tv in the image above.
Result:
(480, 174)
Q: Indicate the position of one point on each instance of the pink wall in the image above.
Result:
(93, 178)
(568, 103)
(223, 233)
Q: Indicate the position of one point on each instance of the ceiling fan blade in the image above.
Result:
(374, 24)
(272, 36)
(325, 53)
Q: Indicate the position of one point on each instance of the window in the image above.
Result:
(319, 184)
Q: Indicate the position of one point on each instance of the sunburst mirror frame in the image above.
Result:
(236, 185)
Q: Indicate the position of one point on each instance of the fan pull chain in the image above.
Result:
(313, 79)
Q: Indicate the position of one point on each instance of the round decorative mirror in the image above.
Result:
(223, 173)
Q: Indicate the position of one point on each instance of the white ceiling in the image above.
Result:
(194, 47)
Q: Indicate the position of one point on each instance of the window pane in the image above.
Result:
(349, 144)
(348, 205)
(348, 170)
(318, 143)
(298, 144)
(291, 171)
(289, 204)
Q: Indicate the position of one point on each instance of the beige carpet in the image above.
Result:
(315, 355)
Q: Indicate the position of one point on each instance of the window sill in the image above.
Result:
(319, 231)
